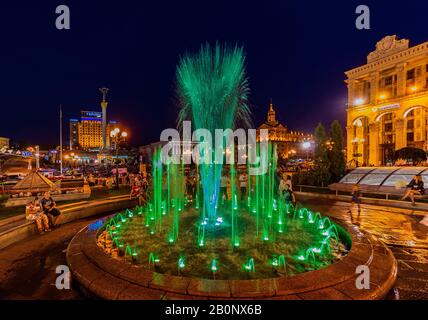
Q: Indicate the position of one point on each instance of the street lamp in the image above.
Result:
(306, 145)
(117, 137)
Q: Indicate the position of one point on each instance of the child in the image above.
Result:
(356, 198)
(288, 195)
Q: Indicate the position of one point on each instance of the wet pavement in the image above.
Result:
(401, 230)
(27, 268)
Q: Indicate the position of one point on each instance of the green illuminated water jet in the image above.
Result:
(213, 91)
(201, 235)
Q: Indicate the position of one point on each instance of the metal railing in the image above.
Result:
(367, 194)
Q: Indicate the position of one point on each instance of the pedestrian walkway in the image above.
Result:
(27, 267)
(401, 230)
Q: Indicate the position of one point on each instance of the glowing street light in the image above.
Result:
(116, 136)
(306, 145)
(358, 101)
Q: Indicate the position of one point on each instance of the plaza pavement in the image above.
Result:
(27, 268)
(401, 230)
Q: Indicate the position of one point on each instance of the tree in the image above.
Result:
(321, 167)
(415, 155)
(337, 163)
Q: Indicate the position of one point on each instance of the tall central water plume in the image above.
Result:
(213, 92)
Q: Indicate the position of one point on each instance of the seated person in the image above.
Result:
(33, 212)
(50, 209)
(415, 187)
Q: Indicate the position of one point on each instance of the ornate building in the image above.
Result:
(387, 102)
(289, 143)
(87, 133)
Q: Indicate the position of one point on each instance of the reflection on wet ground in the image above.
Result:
(27, 268)
(401, 230)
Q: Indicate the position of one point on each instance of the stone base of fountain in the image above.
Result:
(101, 276)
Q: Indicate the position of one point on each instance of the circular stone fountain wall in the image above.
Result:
(101, 275)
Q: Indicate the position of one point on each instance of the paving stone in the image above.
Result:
(406, 257)
(85, 274)
(253, 288)
(211, 288)
(77, 260)
(137, 275)
(169, 283)
(328, 293)
(350, 289)
(413, 274)
(107, 286)
(420, 266)
(407, 295)
(177, 296)
(105, 262)
(415, 285)
(134, 292)
(383, 262)
(287, 297)
(315, 280)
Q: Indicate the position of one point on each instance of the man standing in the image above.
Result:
(243, 180)
(49, 208)
(224, 182)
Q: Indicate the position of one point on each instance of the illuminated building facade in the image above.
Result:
(289, 143)
(387, 102)
(87, 134)
(4, 142)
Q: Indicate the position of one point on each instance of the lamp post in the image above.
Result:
(117, 137)
(306, 145)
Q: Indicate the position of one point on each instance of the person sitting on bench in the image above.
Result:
(416, 186)
(33, 212)
(50, 209)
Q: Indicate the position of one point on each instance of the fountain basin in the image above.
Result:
(101, 276)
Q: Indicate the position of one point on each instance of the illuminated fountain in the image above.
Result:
(259, 235)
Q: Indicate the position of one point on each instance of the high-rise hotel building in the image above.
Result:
(87, 133)
(387, 102)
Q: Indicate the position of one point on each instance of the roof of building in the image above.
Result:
(35, 182)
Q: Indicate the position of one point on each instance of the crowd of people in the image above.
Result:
(139, 188)
(46, 215)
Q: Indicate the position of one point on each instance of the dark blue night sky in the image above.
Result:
(297, 52)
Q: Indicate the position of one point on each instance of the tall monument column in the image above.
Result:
(104, 109)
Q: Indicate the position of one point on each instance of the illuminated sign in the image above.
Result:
(389, 107)
(91, 114)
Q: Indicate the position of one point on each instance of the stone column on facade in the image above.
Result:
(374, 143)
(349, 144)
(424, 78)
(425, 132)
(401, 80)
(351, 92)
(400, 134)
(374, 84)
